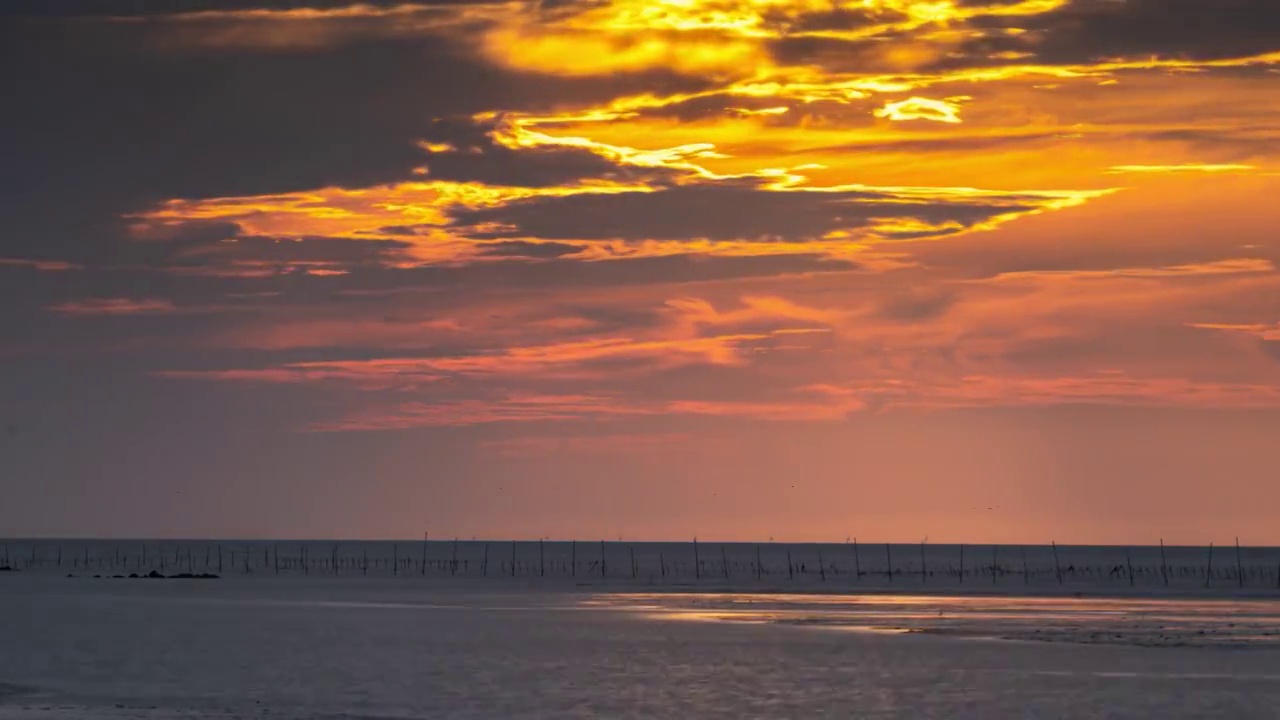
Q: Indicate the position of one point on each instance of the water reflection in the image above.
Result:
(1133, 621)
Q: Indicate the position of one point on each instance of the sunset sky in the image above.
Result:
(976, 270)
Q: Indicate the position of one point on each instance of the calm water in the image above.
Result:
(389, 647)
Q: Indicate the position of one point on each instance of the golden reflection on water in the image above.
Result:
(1144, 621)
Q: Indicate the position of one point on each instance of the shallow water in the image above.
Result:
(408, 648)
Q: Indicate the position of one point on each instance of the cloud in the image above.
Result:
(544, 408)
(114, 306)
(1263, 331)
(41, 265)
(1182, 168)
(750, 210)
(918, 108)
(1217, 267)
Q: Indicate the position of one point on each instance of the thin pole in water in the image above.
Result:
(888, 559)
(453, 564)
(697, 563)
(961, 564)
(426, 536)
(995, 562)
(1164, 566)
(923, 570)
(1128, 559)
(724, 562)
(1026, 574)
(1056, 564)
(542, 563)
(1208, 570)
(1239, 565)
(602, 566)
(573, 558)
(634, 570)
(857, 562)
(791, 570)
(513, 558)
(822, 568)
(758, 568)
(484, 566)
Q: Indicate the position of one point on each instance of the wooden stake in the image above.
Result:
(724, 563)
(453, 564)
(542, 563)
(1164, 566)
(822, 568)
(697, 563)
(888, 558)
(923, 570)
(759, 571)
(995, 562)
(1128, 559)
(1026, 574)
(484, 566)
(1239, 565)
(962, 564)
(573, 558)
(791, 569)
(602, 570)
(1057, 565)
(634, 569)
(1208, 571)
(857, 562)
(513, 558)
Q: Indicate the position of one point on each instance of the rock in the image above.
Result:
(153, 574)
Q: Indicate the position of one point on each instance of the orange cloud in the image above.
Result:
(114, 306)
(41, 265)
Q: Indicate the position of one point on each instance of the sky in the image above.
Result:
(970, 270)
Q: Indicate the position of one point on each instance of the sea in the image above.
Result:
(162, 629)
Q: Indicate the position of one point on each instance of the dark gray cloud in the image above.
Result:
(477, 157)
(153, 8)
(102, 118)
(718, 211)
(1091, 30)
